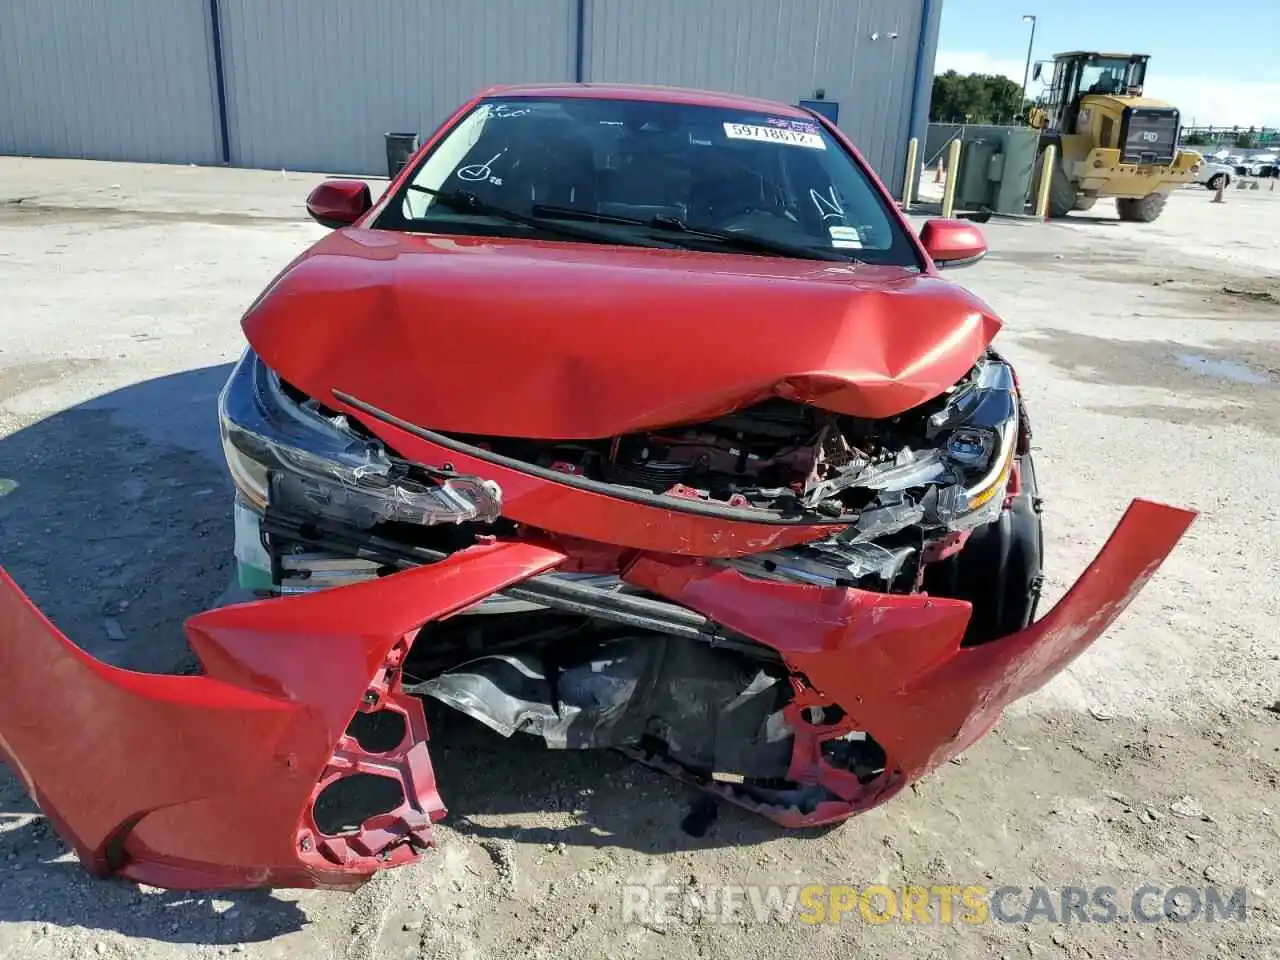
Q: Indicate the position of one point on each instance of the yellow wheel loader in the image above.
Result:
(1112, 141)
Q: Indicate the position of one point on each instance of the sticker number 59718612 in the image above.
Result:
(795, 138)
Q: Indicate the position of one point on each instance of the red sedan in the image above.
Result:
(628, 418)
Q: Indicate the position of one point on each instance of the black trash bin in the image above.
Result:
(400, 147)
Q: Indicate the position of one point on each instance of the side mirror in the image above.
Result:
(339, 203)
(952, 243)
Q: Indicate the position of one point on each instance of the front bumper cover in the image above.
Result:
(211, 781)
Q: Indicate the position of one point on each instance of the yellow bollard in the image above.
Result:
(913, 146)
(953, 167)
(1046, 178)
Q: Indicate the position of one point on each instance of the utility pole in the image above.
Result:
(1026, 74)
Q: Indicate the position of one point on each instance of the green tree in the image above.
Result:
(975, 98)
(1196, 140)
(1246, 141)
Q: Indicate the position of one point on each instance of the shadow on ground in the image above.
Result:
(116, 522)
(44, 884)
(115, 516)
(591, 798)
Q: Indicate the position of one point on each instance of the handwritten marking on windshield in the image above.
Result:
(827, 204)
(477, 172)
(505, 111)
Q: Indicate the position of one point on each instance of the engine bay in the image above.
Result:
(774, 455)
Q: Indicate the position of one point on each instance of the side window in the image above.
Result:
(1056, 92)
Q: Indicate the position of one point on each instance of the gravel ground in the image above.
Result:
(1151, 360)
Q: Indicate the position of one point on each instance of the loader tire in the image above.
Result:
(1062, 195)
(1141, 209)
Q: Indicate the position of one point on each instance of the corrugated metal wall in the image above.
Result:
(314, 84)
(108, 80)
(780, 50)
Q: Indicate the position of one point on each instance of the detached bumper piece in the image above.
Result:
(212, 781)
(215, 780)
(892, 667)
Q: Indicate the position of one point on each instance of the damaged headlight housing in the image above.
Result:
(276, 445)
(978, 430)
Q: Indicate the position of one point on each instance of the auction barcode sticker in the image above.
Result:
(749, 131)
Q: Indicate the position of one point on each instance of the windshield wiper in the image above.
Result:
(466, 202)
(732, 238)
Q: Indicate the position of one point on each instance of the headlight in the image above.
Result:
(276, 445)
(978, 430)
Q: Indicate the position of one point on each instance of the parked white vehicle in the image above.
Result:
(1215, 175)
(1236, 162)
(1263, 164)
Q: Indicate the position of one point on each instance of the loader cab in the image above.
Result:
(1081, 74)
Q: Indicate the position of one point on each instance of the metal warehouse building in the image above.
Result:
(314, 84)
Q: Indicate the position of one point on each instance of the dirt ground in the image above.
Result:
(1151, 360)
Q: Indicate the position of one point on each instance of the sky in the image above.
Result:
(1216, 70)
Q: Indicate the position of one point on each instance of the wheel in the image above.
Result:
(999, 571)
(1219, 181)
(1062, 195)
(1141, 209)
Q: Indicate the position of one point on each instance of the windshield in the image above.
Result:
(1111, 75)
(634, 166)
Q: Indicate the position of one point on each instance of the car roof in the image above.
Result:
(646, 92)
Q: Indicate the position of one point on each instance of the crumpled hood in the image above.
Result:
(557, 340)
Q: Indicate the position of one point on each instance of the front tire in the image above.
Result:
(1062, 195)
(999, 571)
(1141, 209)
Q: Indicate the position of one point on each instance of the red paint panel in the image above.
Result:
(544, 340)
(337, 203)
(950, 240)
(208, 781)
(894, 663)
(572, 512)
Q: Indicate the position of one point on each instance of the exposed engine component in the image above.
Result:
(625, 691)
(937, 464)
